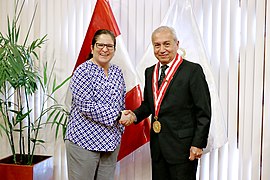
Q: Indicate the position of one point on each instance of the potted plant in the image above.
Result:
(20, 79)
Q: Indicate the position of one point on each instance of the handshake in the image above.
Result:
(127, 118)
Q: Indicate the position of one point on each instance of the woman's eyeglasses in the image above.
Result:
(102, 45)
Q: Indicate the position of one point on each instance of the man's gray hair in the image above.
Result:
(165, 28)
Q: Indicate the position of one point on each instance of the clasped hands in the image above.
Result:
(127, 118)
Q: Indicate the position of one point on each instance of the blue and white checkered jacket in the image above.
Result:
(97, 100)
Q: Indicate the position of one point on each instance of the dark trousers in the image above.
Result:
(161, 170)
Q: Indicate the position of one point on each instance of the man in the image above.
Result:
(180, 107)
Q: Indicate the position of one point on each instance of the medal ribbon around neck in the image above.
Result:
(159, 93)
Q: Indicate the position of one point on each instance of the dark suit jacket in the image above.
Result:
(185, 113)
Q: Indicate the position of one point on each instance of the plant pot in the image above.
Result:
(42, 169)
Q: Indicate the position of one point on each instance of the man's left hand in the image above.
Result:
(195, 153)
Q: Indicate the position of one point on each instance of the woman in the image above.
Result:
(94, 133)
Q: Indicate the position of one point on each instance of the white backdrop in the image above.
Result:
(236, 37)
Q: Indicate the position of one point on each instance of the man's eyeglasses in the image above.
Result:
(102, 45)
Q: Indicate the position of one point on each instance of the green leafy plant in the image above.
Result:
(20, 79)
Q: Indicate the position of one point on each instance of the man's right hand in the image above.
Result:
(127, 118)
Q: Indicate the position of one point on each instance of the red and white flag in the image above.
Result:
(180, 16)
(103, 18)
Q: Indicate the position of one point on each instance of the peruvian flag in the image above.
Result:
(103, 18)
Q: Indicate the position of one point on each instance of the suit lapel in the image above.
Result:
(177, 73)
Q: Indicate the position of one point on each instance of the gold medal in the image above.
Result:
(156, 126)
